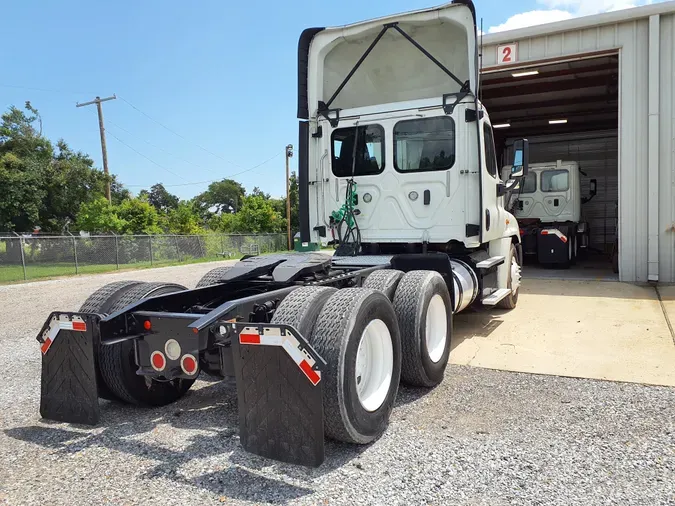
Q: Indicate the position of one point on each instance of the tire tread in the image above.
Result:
(213, 277)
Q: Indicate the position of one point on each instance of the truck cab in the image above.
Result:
(550, 193)
(548, 206)
(396, 152)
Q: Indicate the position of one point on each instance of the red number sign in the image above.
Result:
(507, 53)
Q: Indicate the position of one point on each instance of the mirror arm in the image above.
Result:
(503, 189)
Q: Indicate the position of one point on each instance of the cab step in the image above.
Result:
(490, 262)
(494, 298)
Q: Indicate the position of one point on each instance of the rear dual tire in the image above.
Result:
(355, 331)
(370, 344)
(423, 307)
(116, 368)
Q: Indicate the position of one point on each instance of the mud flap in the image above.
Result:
(279, 392)
(68, 390)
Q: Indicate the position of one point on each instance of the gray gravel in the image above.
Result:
(482, 438)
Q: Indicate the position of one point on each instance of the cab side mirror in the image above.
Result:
(594, 187)
(521, 158)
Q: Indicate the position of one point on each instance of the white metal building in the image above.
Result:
(608, 84)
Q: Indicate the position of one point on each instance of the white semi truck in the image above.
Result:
(548, 206)
(397, 159)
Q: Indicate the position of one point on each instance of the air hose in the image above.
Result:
(350, 244)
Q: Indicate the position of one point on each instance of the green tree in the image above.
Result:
(224, 196)
(257, 192)
(160, 198)
(42, 185)
(139, 217)
(222, 223)
(100, 216)
(24, 157)
(69, 181)
(256, 216)
(183, 220)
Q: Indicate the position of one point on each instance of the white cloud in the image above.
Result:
(559, 10)
(588, 7)
(531, 18)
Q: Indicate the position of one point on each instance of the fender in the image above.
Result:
(502, 247)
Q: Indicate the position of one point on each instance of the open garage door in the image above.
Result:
(569, 112)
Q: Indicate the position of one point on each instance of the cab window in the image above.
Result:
(490, 152)
(424, 144)
(366, 159)
(555, 181)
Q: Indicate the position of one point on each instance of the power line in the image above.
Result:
(162, 149)
(44, 89)
(211, 180)
(171, 154)
(177, 134)
(147, 158)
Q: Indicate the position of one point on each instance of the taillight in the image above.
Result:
(189, 364)
(158, 361)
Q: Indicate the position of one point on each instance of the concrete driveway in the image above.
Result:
(585, 329)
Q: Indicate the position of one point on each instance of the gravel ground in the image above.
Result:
(482, 438)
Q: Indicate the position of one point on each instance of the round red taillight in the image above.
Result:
(189, 364)
(147, 324)
(158, 361)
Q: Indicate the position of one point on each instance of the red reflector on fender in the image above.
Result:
(80, 326)
(249, 338)
(309, 372)
(544, 232)
(45, 346)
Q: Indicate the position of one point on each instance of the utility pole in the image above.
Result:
(98, 101)
(289, 155)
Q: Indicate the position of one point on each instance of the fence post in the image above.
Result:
(150, 238)
(23, 256)
(117, 252)
(77, 269)
(201, 245)
(222, 244)
(175, 240)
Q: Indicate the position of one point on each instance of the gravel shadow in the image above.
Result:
(212, 411)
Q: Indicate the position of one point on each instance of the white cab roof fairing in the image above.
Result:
(395, 70)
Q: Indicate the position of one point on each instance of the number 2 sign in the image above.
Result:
(508, 53)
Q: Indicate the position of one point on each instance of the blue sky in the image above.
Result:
(220, 74)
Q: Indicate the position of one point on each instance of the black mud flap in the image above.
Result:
(279, 391)
(68, 386)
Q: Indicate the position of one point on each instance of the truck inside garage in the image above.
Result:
(600, 90)
(568, 110)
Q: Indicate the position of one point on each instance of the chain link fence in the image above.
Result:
(25, 257)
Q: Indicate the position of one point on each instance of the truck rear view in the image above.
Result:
(549, 207)
(397, 160)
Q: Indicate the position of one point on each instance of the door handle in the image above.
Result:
(427, 197)
(487, 219)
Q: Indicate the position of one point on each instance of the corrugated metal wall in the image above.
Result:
(667, 152)
(631, 39)
(597, 155)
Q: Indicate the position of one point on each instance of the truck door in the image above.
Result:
(491, 215)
